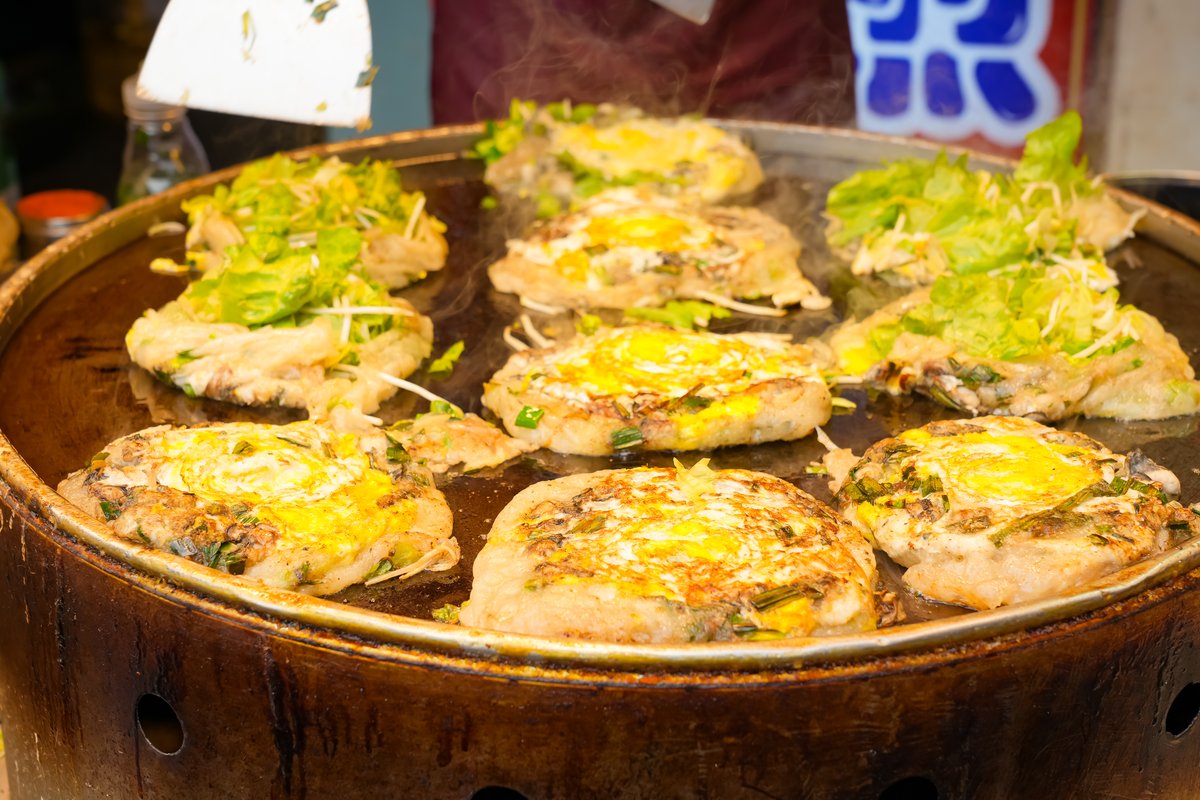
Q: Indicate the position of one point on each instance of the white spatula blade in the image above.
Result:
(278, 59)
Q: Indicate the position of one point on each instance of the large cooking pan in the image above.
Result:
(127, 673)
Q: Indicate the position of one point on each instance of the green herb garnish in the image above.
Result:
(441, 367)
(587, 324)
(382, 568)
(624, 438)
(396, 453)
(683, 314)
(529, 417)
(319, 13)
(447, 408)
(781, 595)
(183, 546)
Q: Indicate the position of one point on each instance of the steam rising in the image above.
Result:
(769, 59)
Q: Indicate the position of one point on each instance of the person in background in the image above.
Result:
(787, 60)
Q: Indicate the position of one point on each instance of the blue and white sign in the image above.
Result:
(947, 69)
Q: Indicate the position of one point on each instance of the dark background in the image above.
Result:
(61, 118)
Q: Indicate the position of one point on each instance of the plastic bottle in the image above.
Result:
(161, 149)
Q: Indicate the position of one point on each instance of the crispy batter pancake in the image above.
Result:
(297, 506)
(1001, 510)
(662, 555)
(659, 388)
(626, 248)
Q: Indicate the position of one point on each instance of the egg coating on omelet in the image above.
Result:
(1001, 510)
(567, 160)
(297, 506)
(659, 388)
(626, 248)
(311, 366)
(671, 555)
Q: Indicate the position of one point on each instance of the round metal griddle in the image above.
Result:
(272, 694)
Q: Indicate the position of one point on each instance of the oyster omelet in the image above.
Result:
(914, 220)
(661, 389)
(295, 366)
(671, 555)
(560, 155)
(401, 242)
(627, 248)
(1032, 341)
(1000, 510)
(446, 441)
(296, 506)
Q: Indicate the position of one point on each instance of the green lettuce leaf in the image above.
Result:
(980, 222)
(1032, 310)
(1050, 154)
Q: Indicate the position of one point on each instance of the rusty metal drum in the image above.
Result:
(125, 672)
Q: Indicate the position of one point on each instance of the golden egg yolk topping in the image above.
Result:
(654, 533)
(649, 231)
(644, 145)
(637, 360)
(1005, 469)
(315, 486)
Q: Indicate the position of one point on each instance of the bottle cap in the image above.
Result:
(48, 216)
(140, 109)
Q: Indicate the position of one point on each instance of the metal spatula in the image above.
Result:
(697, 11)
(293, 60)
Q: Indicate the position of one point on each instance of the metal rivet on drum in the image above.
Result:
(498, 793)
(159, 724)
(1184, 709)
(912, 788)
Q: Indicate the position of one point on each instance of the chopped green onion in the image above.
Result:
(441, 367)
(366, 77)
(302, 575)
(447, 614)
(588, 324)
(529, 417)
(623, 438)
(942, 396)
(382, 568)
(979, 374)
(396, 453)
(110, 510)
(323, 9)
(443, 407)
(685, 314)
(183, 546)
(779, 596)
(590, 525)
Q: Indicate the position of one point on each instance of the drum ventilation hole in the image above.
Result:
(159, 724)
(498, 793)
(1184, 709)
(914, 788)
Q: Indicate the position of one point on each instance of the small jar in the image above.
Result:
(49, 216)
(161, 149)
